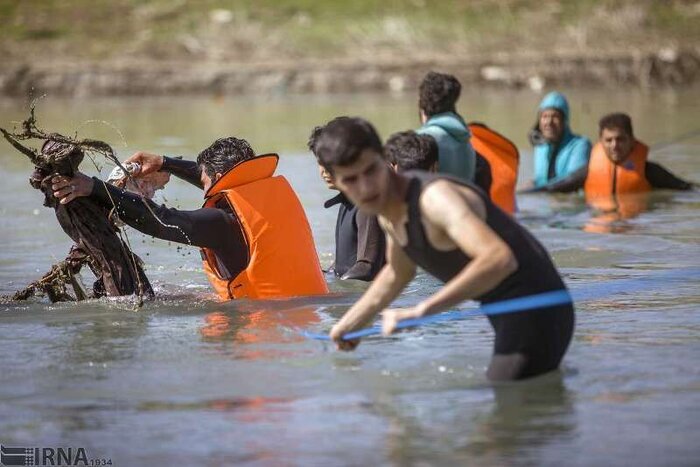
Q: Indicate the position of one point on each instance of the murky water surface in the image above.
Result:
(189, 381)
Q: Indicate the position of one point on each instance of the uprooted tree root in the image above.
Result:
(98, 240)
(54, 283)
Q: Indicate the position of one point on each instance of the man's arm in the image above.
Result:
(579, 154)
(492, 259)
(206, 227)
(461, 217)
(369, 251)
(659, 177)
(391, 280)
(186, 170)
(571, 183)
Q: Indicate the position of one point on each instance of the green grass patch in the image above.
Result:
(333, 28)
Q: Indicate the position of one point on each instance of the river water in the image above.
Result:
(186, 380)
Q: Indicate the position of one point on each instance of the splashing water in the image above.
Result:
(105, 123)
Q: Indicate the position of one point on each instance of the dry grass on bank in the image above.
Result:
(287, 30)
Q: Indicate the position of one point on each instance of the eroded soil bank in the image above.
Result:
(667, 67)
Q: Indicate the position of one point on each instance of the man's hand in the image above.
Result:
(336, 336)
(150, 163)
(392, 317)
(361, 270)
(66, 189)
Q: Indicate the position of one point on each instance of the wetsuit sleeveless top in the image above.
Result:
(541, 335)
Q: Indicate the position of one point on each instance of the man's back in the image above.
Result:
(535, 273)
(455, 154)
(282, 258)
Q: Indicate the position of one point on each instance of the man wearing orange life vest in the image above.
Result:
(618, 166)
(255, 239)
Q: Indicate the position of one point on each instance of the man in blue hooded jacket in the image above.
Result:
(558, 152)
(437, 104)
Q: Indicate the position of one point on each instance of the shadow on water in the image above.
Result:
(491, 425)
(103, 340)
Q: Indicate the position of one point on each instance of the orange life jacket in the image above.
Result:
(282, 256)
(503, 157)
(622, 188)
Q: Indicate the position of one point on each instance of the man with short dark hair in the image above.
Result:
(221, 155)
(359, 242)
(407, 150)
(438, 95)
(248, 213)
(454, 232)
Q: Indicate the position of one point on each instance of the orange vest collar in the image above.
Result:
(245, 172)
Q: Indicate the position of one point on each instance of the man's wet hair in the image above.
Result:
(313, 140)
(223, 154)
(616, 120)
(409, 151)
(343, 139)
(438, 93)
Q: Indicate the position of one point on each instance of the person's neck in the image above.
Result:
(423, 117)
(426, 118)
(394, 209)
(554, 141)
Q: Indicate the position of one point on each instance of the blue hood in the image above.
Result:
(556, 100)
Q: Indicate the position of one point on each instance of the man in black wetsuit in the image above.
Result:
(449, 228)
(359, 242)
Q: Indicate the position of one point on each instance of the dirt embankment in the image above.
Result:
(666, 68)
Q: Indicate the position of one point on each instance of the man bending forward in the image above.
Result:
(449, 228)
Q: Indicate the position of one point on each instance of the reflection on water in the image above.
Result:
(524, 417)
(188, 380)
(259, 333)
(618, 215)
(511, 423)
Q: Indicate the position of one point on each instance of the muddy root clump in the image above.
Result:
(98, 241)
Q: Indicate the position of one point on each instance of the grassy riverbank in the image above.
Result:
(284, 30)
